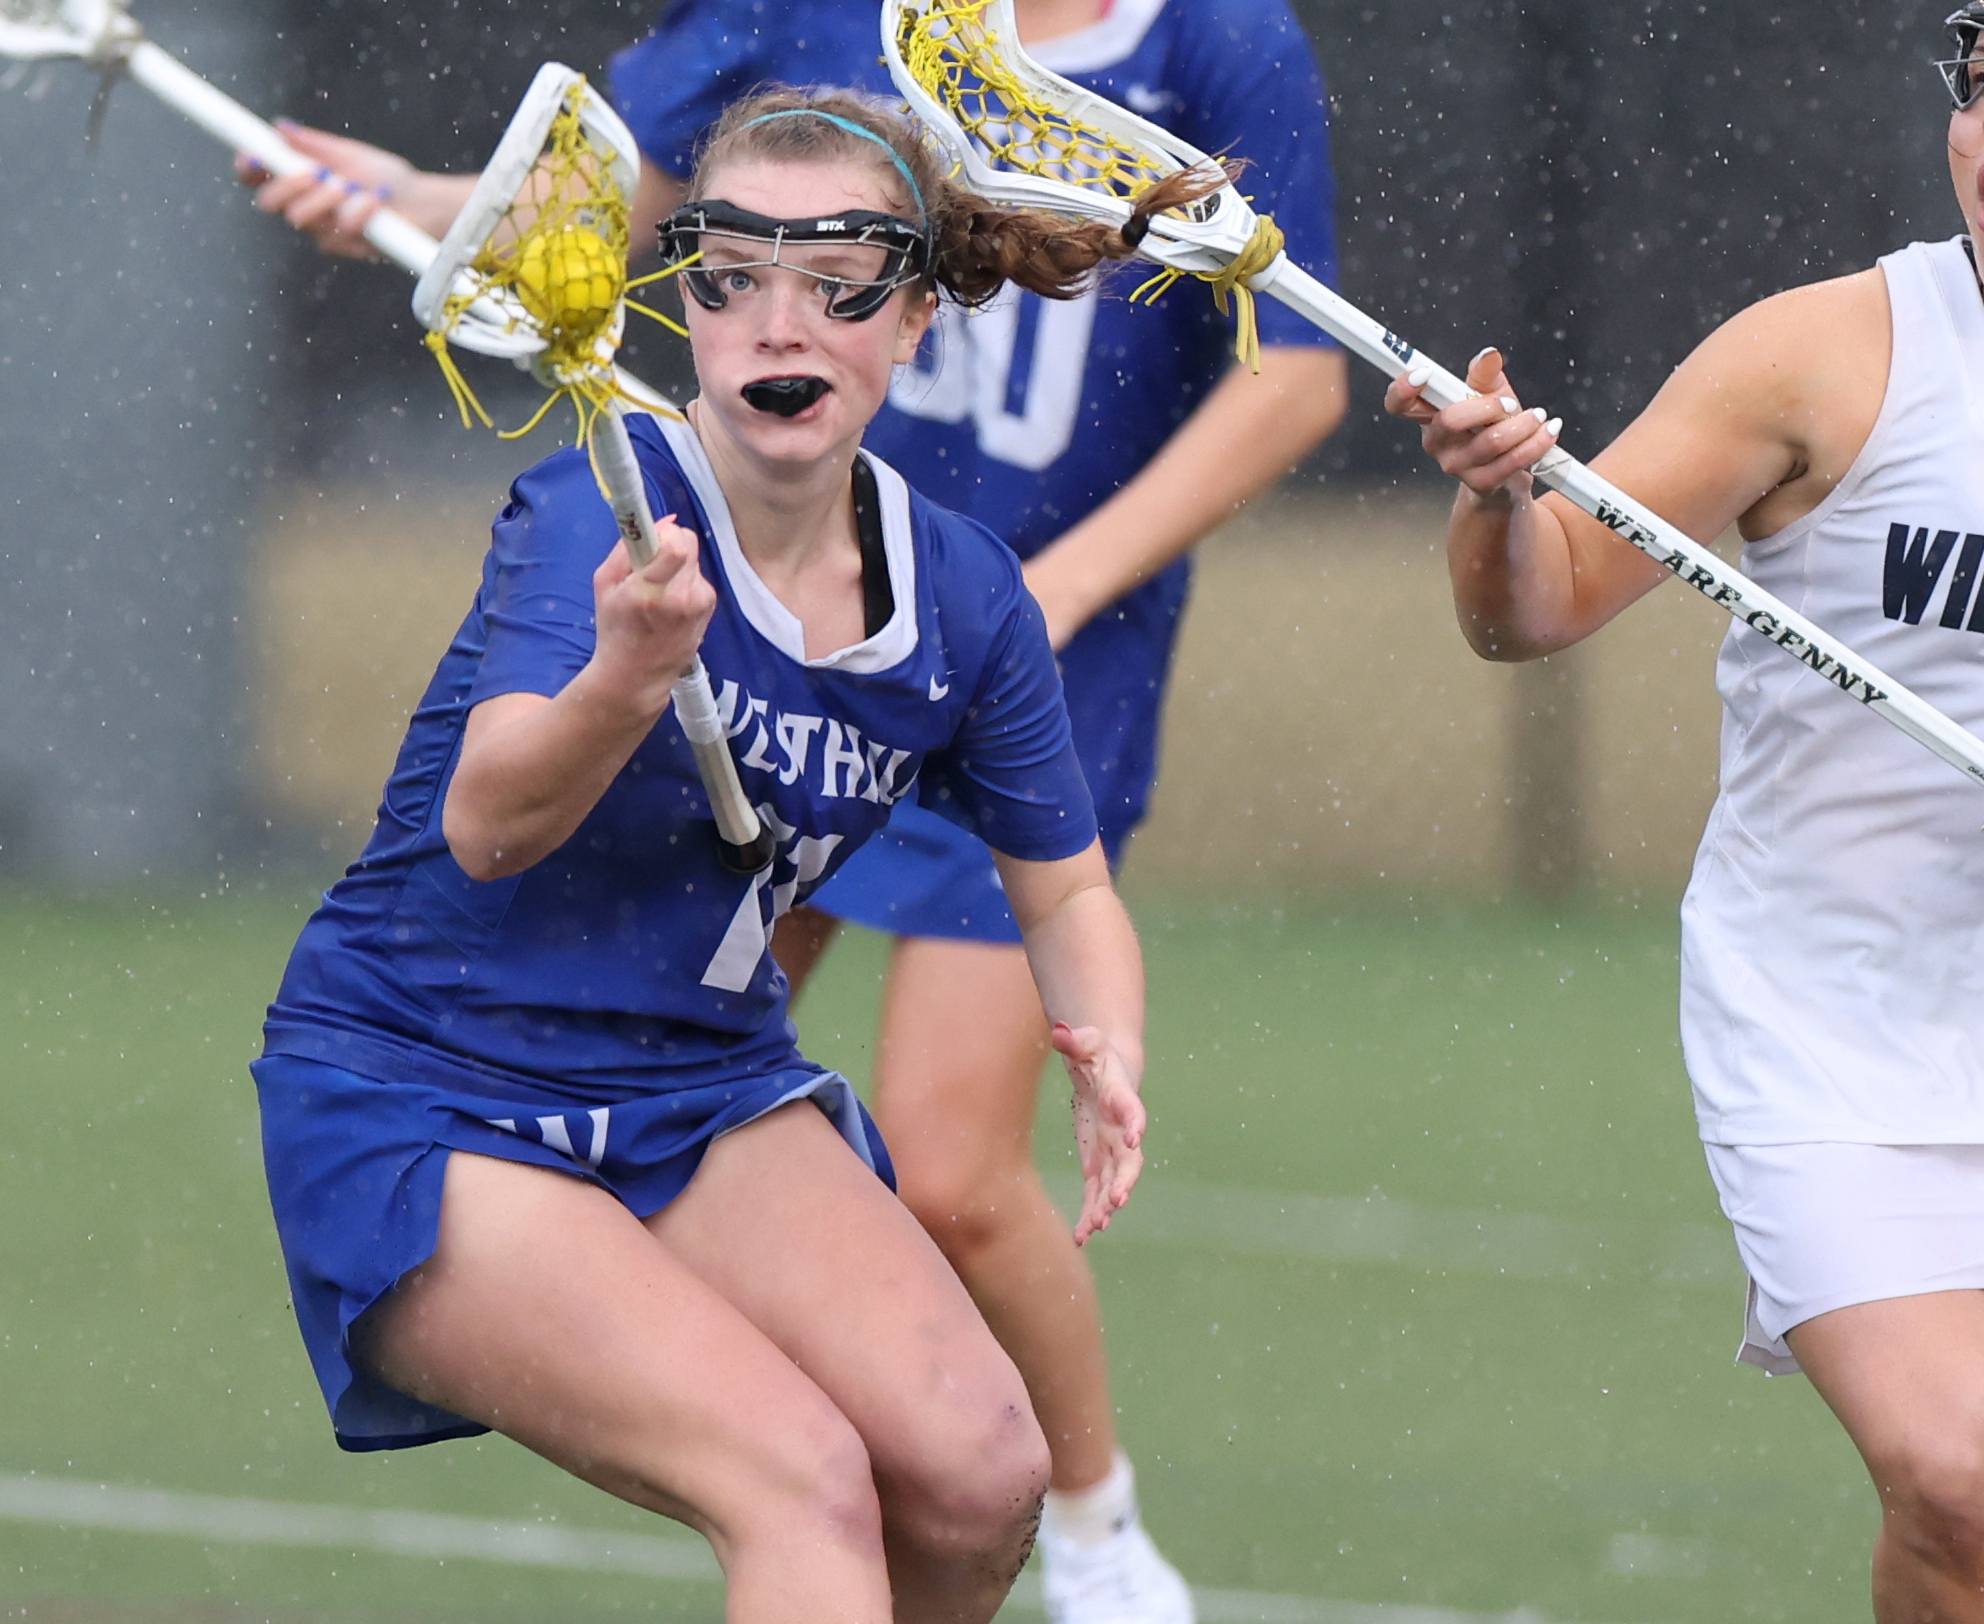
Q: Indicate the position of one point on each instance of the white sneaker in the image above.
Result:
(1124, 1580)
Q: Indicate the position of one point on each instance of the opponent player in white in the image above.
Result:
(543, 1154)
(1833, 934)
(1101, 441)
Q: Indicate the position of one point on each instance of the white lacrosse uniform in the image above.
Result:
(1832, 971)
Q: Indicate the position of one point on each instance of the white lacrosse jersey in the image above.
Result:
(1832, 960)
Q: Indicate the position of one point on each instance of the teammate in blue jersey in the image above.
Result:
(1100, 440)
(543, 1152)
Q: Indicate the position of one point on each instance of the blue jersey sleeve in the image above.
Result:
(1255, 91)
(704, 54)
(670, 87)
(537, 581)
(1010, 775)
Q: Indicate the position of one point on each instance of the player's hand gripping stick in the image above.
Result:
(1022, 135)
(744, 840)
(101, 35)
(1666, 544)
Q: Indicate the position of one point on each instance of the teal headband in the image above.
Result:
(852, 128)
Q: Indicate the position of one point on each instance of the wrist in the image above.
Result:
(1066, 597)
(1131, 1054)
(618, 700)
(431, 201)
(1499, 500)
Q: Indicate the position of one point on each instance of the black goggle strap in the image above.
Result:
(1964, 73)
(907, 248)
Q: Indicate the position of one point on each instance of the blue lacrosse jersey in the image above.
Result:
(630, 952)
(1031, 413)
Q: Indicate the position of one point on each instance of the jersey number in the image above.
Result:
(973, 374)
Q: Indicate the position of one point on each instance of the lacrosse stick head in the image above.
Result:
(1023, 136)
(534, 268)
(93, 31)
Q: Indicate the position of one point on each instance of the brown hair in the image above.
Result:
(980, 245)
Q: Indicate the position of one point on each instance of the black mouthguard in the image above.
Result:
(785, 397)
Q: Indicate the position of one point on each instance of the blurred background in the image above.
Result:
(1413, 1312)
(239, 511)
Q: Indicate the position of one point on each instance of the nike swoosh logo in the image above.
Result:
(938, 690)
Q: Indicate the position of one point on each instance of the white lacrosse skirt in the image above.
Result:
(1825, 1226)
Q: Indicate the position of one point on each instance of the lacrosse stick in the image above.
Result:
(534, 269)
(1027, 137)
(101, 35)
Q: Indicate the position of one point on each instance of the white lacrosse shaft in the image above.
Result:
(231, 124)
(1666, 544)
(1210, 234)
(747, 842)
(240, 130)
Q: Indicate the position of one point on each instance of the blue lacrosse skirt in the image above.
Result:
(355, 1168)
(922, 875)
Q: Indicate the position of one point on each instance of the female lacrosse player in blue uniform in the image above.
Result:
(1100, 441)
(1832, 988)
(543, 1153)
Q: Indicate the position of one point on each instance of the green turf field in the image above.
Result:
(1421, 1303)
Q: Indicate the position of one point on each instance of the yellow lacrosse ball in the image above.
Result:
(568, 279)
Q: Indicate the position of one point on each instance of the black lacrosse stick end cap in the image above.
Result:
(752, 858)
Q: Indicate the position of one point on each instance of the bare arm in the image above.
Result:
(353, 182)
(1090, 973)
(1755, 428)
(1251, 430)
(356, 180)
(531, 768)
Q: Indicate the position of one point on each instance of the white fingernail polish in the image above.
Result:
(1538, 413)
(1509, 405)
(1418, 376)
(1553, 425)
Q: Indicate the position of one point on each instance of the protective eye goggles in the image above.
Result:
(709, 231)
(1964, 72)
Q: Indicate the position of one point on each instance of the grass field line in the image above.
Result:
(227, 1519)
(1409, 1234)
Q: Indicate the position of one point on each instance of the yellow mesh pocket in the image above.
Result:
(560, 251)
(955, 55)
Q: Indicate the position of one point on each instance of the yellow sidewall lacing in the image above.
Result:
(662, 275)
(964, 69)
(1261, 251)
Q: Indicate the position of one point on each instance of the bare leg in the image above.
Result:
(799, 940)
(1906, 1378)
(549, 1312)
(865, 1305)
(957, 1078)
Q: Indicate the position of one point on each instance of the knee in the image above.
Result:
(1932, 1496)
(964, 1205)
(975, 1492)
(808, 1482)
